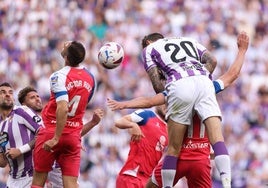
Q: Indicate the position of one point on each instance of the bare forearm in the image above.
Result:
(61, 116)
(87, 127)
(233, 72)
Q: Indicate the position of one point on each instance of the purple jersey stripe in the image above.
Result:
(167, 70)
(21, 126)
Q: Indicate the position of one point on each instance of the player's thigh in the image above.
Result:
(42, 159)
(199, 174)
(176, 133)
(180, 100)
(206, 103)
(214, 129)
(69, 155)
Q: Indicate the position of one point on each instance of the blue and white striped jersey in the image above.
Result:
(21, 126)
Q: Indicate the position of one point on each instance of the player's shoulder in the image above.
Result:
(144, 113)
(22, 108)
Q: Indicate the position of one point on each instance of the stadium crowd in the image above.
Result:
(31, 36)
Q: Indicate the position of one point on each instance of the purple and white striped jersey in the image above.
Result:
(176, 57)
(21, 126)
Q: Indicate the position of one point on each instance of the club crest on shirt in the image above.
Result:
(54, 80)
(36, 119)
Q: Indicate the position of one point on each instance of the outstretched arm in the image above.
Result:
(233, 72)
(97, 116)
(126, 122)
(140, 102)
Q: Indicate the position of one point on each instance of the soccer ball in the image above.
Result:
(111, 55)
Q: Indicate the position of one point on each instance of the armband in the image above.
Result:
(25, 148)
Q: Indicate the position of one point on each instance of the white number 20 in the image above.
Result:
(74, 103)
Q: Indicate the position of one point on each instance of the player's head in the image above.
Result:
(73, 52)
(6, 96)
(151, 38)
(28, 96)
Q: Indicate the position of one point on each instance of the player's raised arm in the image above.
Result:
(96, 118)
(233, 72)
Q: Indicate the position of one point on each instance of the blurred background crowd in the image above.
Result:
(32, 33)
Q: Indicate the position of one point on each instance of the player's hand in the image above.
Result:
(243, 41)
(12, 153)
(97, 116)
(114, 105)
(136, 133)
(48, 145)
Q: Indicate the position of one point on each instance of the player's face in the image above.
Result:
(33, 101)
(65, 48)
(6, 98)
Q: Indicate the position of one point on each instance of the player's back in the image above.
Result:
(145, 154)
(79, 85)
(176, 57)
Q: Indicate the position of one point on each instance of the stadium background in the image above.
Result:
(32, 32)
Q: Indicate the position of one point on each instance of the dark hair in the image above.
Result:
(6, 84)
(76, 53)
(151, 37)
(22, 93)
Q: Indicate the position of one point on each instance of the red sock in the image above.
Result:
(36, 186)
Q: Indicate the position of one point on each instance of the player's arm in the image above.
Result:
(126, 122)
(156, 79)
(3, 141)
(209, 61)
(140, 102)
(233, 72)
(97, 116)
(3, 160)
(61, 118)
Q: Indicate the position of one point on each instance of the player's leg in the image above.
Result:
(39, 179)
(180, 102)
(210, 113)
(150, 184)
(69, 181)
(176, 133)
(222, 158)
(69, 159)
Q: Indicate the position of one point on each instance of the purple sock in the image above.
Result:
(170, 162)
(220, 148)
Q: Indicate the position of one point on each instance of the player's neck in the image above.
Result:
(4, 113)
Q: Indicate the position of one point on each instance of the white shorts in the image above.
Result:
(24, 182)
(190, 94)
